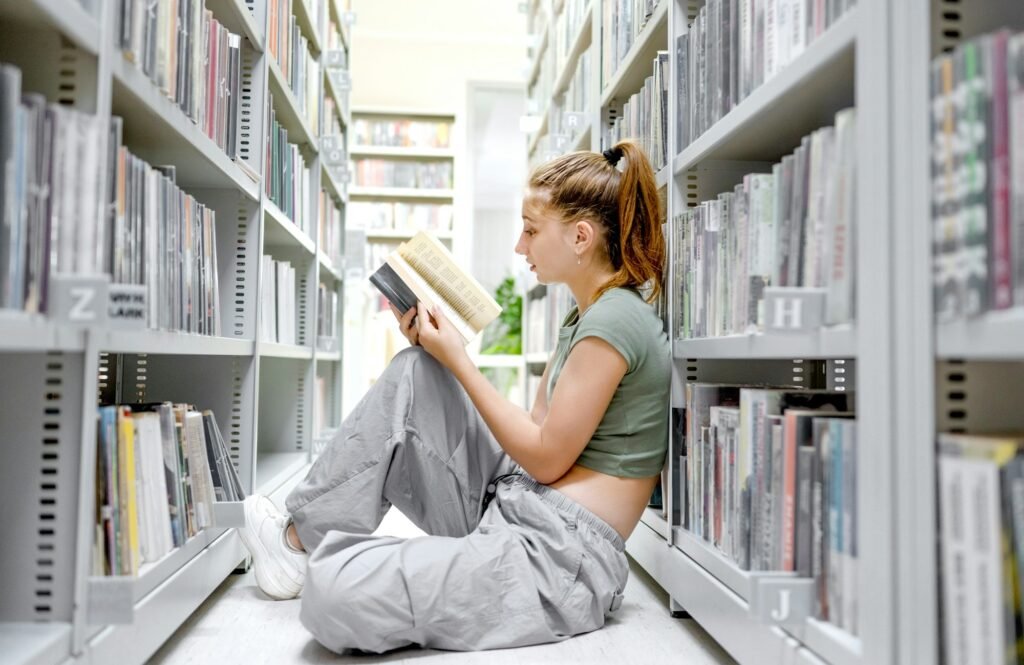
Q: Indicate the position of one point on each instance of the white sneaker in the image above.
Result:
(280, 570)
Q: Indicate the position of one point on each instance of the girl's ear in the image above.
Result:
(585, 235)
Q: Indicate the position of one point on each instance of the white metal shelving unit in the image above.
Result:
(55, 373)
(875, 57)
(966, 376)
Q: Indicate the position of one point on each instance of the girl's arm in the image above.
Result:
(585, 388)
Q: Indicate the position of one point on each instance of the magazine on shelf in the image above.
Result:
(422, 269)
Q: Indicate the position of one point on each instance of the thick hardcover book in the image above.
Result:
(423, 269)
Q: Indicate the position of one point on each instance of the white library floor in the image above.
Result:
(237, 624)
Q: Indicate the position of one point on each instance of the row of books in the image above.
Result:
(300, 68)
(51, 203)
(566, 28)
(568, 116)
(327, 312)
(977, 174)
(981, 543)
(160, 237)
(769, 479)
(401, 133)
(142, 230)
(335, 39)
(793, 227)
(733, 46)
(391, 173)
(645, 116)
(544, 315)
(290, 182)
(621, 23)
(278, 321)
(540, 87)
(193, 59)
(399, 216)
(332, 119)
(159, 470)
(330, 227)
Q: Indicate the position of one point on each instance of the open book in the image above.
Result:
(423, 269)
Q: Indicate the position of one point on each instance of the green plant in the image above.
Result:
(505, 334)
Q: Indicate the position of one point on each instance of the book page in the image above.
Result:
(455, 286)
(428, 295)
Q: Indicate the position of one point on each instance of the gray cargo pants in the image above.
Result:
(530, 566)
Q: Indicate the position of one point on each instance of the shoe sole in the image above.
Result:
(269, 585)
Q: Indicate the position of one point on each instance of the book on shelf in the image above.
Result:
(794, 227)
(422, 269)
(400, 132)
(645, 115)
(278, 322)
(977, 170)
(160, 468)
(981, 540)
(768, 478)
(732, 47)
(160, 237)
(190, 57)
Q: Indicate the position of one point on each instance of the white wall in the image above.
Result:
(419, 54)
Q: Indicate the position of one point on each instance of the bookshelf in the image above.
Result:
(404, 178)
(914, 377)
(271, 400)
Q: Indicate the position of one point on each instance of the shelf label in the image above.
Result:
(575, 120)
(126, 306)
(782, 599)
(342, 80)
(79, 299)
(793, 308)
(327, 344)
(559, 142)
(336, 59)
(333, 149)
(340, 173)
(228, 514)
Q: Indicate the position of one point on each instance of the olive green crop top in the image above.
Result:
(632, 439)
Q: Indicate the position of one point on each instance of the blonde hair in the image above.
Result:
(587, 185)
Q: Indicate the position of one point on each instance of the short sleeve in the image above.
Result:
(614, 321)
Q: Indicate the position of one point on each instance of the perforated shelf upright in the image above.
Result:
(53, 374)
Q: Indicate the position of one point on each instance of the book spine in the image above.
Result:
(1015, 93)
(1000, 267)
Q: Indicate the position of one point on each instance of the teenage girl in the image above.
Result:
(526, 511)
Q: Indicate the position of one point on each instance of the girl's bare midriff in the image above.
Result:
(618, 501)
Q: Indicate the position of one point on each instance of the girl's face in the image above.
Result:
(547, 242)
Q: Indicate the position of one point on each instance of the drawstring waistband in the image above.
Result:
(565, 504)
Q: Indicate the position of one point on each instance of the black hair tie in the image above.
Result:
(613, 155)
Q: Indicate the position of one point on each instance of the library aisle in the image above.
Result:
(235, 625)
(194, 195)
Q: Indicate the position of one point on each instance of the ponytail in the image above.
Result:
(589, 185)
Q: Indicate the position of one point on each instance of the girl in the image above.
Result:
(526, 511)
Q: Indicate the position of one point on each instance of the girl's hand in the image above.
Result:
(407, 324)
(439, 337)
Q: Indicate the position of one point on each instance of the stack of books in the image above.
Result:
(160, 468)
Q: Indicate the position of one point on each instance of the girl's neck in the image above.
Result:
(585, 287)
